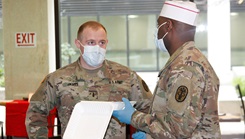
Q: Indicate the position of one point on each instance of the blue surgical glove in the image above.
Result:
(124, 115)
(139, 135)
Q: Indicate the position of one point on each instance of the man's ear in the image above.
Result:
(78, 45)
(169, 25)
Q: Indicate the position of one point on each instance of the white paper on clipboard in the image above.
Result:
(89, 119)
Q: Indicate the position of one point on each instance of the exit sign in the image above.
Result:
(25, 39)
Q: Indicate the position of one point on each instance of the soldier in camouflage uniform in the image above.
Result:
(185, 98)
(102, 80)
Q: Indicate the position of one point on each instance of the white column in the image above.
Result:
(51, 36)
(25, 67)
(219, 37)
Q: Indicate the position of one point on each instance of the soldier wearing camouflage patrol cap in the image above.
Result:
(90, 78)
(185, 100)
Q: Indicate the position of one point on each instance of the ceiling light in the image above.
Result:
(132, 16)
(240, 1)
(234, 14)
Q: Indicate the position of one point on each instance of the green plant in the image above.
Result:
(241, 81)
(67, 51)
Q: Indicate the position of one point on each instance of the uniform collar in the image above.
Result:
(80, 71)
(179, 51)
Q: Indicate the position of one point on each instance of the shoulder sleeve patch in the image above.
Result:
(181, 93)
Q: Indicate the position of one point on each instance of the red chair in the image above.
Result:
(15, 119)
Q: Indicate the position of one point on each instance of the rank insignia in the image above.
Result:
(181, 93)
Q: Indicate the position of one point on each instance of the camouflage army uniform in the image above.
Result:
(185, 99)
(71, 84)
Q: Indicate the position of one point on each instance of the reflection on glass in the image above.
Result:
(131, 40)
(201, 33)
(237, 39)
(117, 36)
(142, 50)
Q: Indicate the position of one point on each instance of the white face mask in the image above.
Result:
(159, 42)
(93, 55)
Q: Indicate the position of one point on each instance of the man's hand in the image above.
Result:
(139, 135)
(124, 115)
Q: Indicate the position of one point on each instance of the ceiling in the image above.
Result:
(107, 7)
